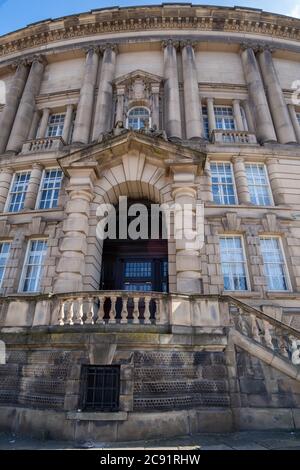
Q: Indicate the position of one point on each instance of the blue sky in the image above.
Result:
(15, 14)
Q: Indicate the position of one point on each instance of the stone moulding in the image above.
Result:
(232, 20)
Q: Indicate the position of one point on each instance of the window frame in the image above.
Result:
(285, 266)
(2, 242)
(136, 107)
(223, 117)
(25, 266)
(245, 262)
(8, 199)
(236, 203)
(47, 136)
(270, 194)
(39, 196)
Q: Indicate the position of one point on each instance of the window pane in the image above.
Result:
(138, 118)
(274, 265)
(18, 192)
(258, 184)
(233, 263)
(4, 254)
(33, 268)
(55, 125)
(50, 189)
(222, 183)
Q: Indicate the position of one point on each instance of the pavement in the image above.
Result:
(246, 440)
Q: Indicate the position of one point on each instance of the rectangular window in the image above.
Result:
(233, 263)
(100, 388)
(18, 191)
(33, 266)
(224, 117)
(50, 187)
(258, 184)
(55, 125)
(205, 122)
(274, 264)
(222, 183)
(298, 118)
(4, 254)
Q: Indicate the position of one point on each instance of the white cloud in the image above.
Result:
(296, 11)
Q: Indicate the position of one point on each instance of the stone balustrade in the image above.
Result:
(111, 308)
(45, 144)
(221, 136)
(274, 335)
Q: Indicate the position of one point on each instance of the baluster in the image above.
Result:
(158, 308)
(243, 323)
(136, 312)
(61, 315)
(90, 313)
(283, 347)
(124, 311)
(79, 316)
(267, 335)
(254, 328)
(112, 312)
(100, 313)
(70, 314)
(147, 312)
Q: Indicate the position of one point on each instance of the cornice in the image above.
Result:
(156, 18)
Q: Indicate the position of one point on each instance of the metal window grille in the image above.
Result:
(100, 388)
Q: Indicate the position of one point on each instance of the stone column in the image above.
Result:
(193, 113)
(188, 267)
(279, 111)
(155, 106)
(34, 125)
(120, 104)
(71, 266)
(263, 121)
(249, 118)
(103, 110)
(43, 124)
(206, 183)
(238, 115)
(275, 179)
(211, 115)
(295, 122)
(13, 97)
(171, 91)
(33, 186)
(82, 127)
(241, 180)
(26, 108)
(6, 175)
(68, 123)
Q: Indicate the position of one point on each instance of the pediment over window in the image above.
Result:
(156, 149)
(138, 76)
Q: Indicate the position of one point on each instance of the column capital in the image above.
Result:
(109, 46)
(91, 48)
(188, 42)
(37, 166)
(170, 42)
(120, 90)
(237, 159)
(19, 63)
(37, 58)
(8, 170)
(272, 160)
(209, 100)
(264, 47)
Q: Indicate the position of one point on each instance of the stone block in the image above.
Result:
(19, 314)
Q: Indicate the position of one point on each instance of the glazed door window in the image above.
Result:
(224, 117)
(138, 118)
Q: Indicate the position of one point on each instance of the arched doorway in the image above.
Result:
(136, 265)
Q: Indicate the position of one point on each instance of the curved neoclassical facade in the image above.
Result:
(172, 104)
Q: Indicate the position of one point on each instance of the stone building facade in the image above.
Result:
(165, 104)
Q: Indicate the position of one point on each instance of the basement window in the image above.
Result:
(100, 388)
